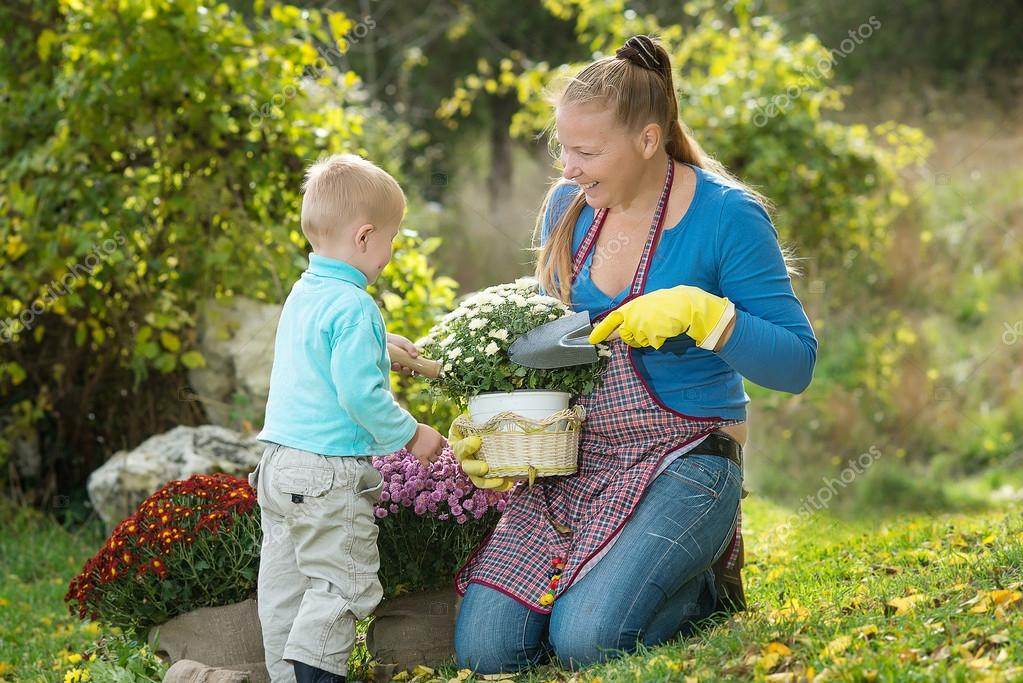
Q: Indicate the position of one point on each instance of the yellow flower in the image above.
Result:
(75, 658)
(76, 675)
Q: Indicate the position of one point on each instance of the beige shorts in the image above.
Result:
(319, 561)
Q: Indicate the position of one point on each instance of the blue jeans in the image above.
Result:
(654, 584)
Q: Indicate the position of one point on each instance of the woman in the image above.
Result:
(665, 248)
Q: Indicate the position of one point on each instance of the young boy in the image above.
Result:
(330, 409)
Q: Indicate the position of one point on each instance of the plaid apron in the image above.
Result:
(550, 534)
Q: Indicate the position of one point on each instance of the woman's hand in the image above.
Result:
(464, 448)
(404, 344)
(651, 318)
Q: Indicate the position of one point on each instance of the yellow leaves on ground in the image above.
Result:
(996, 600)
(905, 605)
(792, 611)
(837, 646)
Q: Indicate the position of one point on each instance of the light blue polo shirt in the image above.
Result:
(330, 387)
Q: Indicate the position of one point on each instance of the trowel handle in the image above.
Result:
(424, 366)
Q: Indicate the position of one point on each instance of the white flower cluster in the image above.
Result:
(472, 342)
(478, 309)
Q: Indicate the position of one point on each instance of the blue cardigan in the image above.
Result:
(725, 244)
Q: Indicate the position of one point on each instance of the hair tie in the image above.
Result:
(640, 50)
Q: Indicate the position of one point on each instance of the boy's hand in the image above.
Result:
(404, 344)
(426, 445)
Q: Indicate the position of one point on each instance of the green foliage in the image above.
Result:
(422, 553)
(194, 543)
(473, 342)
(117, 659)
(758, 103)
(954, 44)
(412, 296)
(153, 156)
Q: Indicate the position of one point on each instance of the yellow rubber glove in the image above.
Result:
(651, 318)
(464, 448)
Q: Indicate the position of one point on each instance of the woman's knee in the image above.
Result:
(577, 644)
(495, 634)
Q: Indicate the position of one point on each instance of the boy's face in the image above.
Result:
(379, 249)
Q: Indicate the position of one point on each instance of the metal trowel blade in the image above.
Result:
(558, 344)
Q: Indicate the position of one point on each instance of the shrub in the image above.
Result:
(194, 543)
(430, 518)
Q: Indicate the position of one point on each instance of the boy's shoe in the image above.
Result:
(305, 673)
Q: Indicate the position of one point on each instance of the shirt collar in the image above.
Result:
(325, 266)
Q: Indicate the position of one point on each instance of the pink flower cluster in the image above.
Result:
(442, 490)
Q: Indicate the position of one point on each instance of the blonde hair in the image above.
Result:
(637, 86)
(344, 188)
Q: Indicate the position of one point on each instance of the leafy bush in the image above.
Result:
(152, 157)
(757, 101)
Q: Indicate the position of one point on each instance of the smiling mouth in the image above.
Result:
(589, 186)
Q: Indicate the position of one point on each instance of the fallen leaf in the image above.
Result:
(867, 632)
(781, 648)
(781, 677)
(906, 604)
(980, 663)
(837, 646)
(792, 610)
(1004, 598)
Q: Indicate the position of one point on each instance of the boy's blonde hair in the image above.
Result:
(343, 189)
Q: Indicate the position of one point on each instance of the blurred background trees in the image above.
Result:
(152, 152)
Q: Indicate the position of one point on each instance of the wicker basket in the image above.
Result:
(513, 445)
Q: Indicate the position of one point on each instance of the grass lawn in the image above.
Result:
(899, 599)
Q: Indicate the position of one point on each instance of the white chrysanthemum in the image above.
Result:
(553, 316)
(501, 334)
(454, 353)
(454, 315)
(486, 308)
(526, 282)
(477, 323)
(518, 300)
(491, 349)
(469, 359)
(447, 367)
(545, 300)
(447, 341)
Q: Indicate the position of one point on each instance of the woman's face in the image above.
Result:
(598, 154)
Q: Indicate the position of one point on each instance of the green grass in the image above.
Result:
(38, 557)
(886, 599)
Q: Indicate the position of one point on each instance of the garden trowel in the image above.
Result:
(557, 344)
(424, 366)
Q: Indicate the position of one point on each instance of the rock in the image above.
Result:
(129, 477)
(236, 337)
(25, 455)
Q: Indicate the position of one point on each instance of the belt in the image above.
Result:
(719, 443)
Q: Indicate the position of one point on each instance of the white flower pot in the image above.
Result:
(535, 405)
